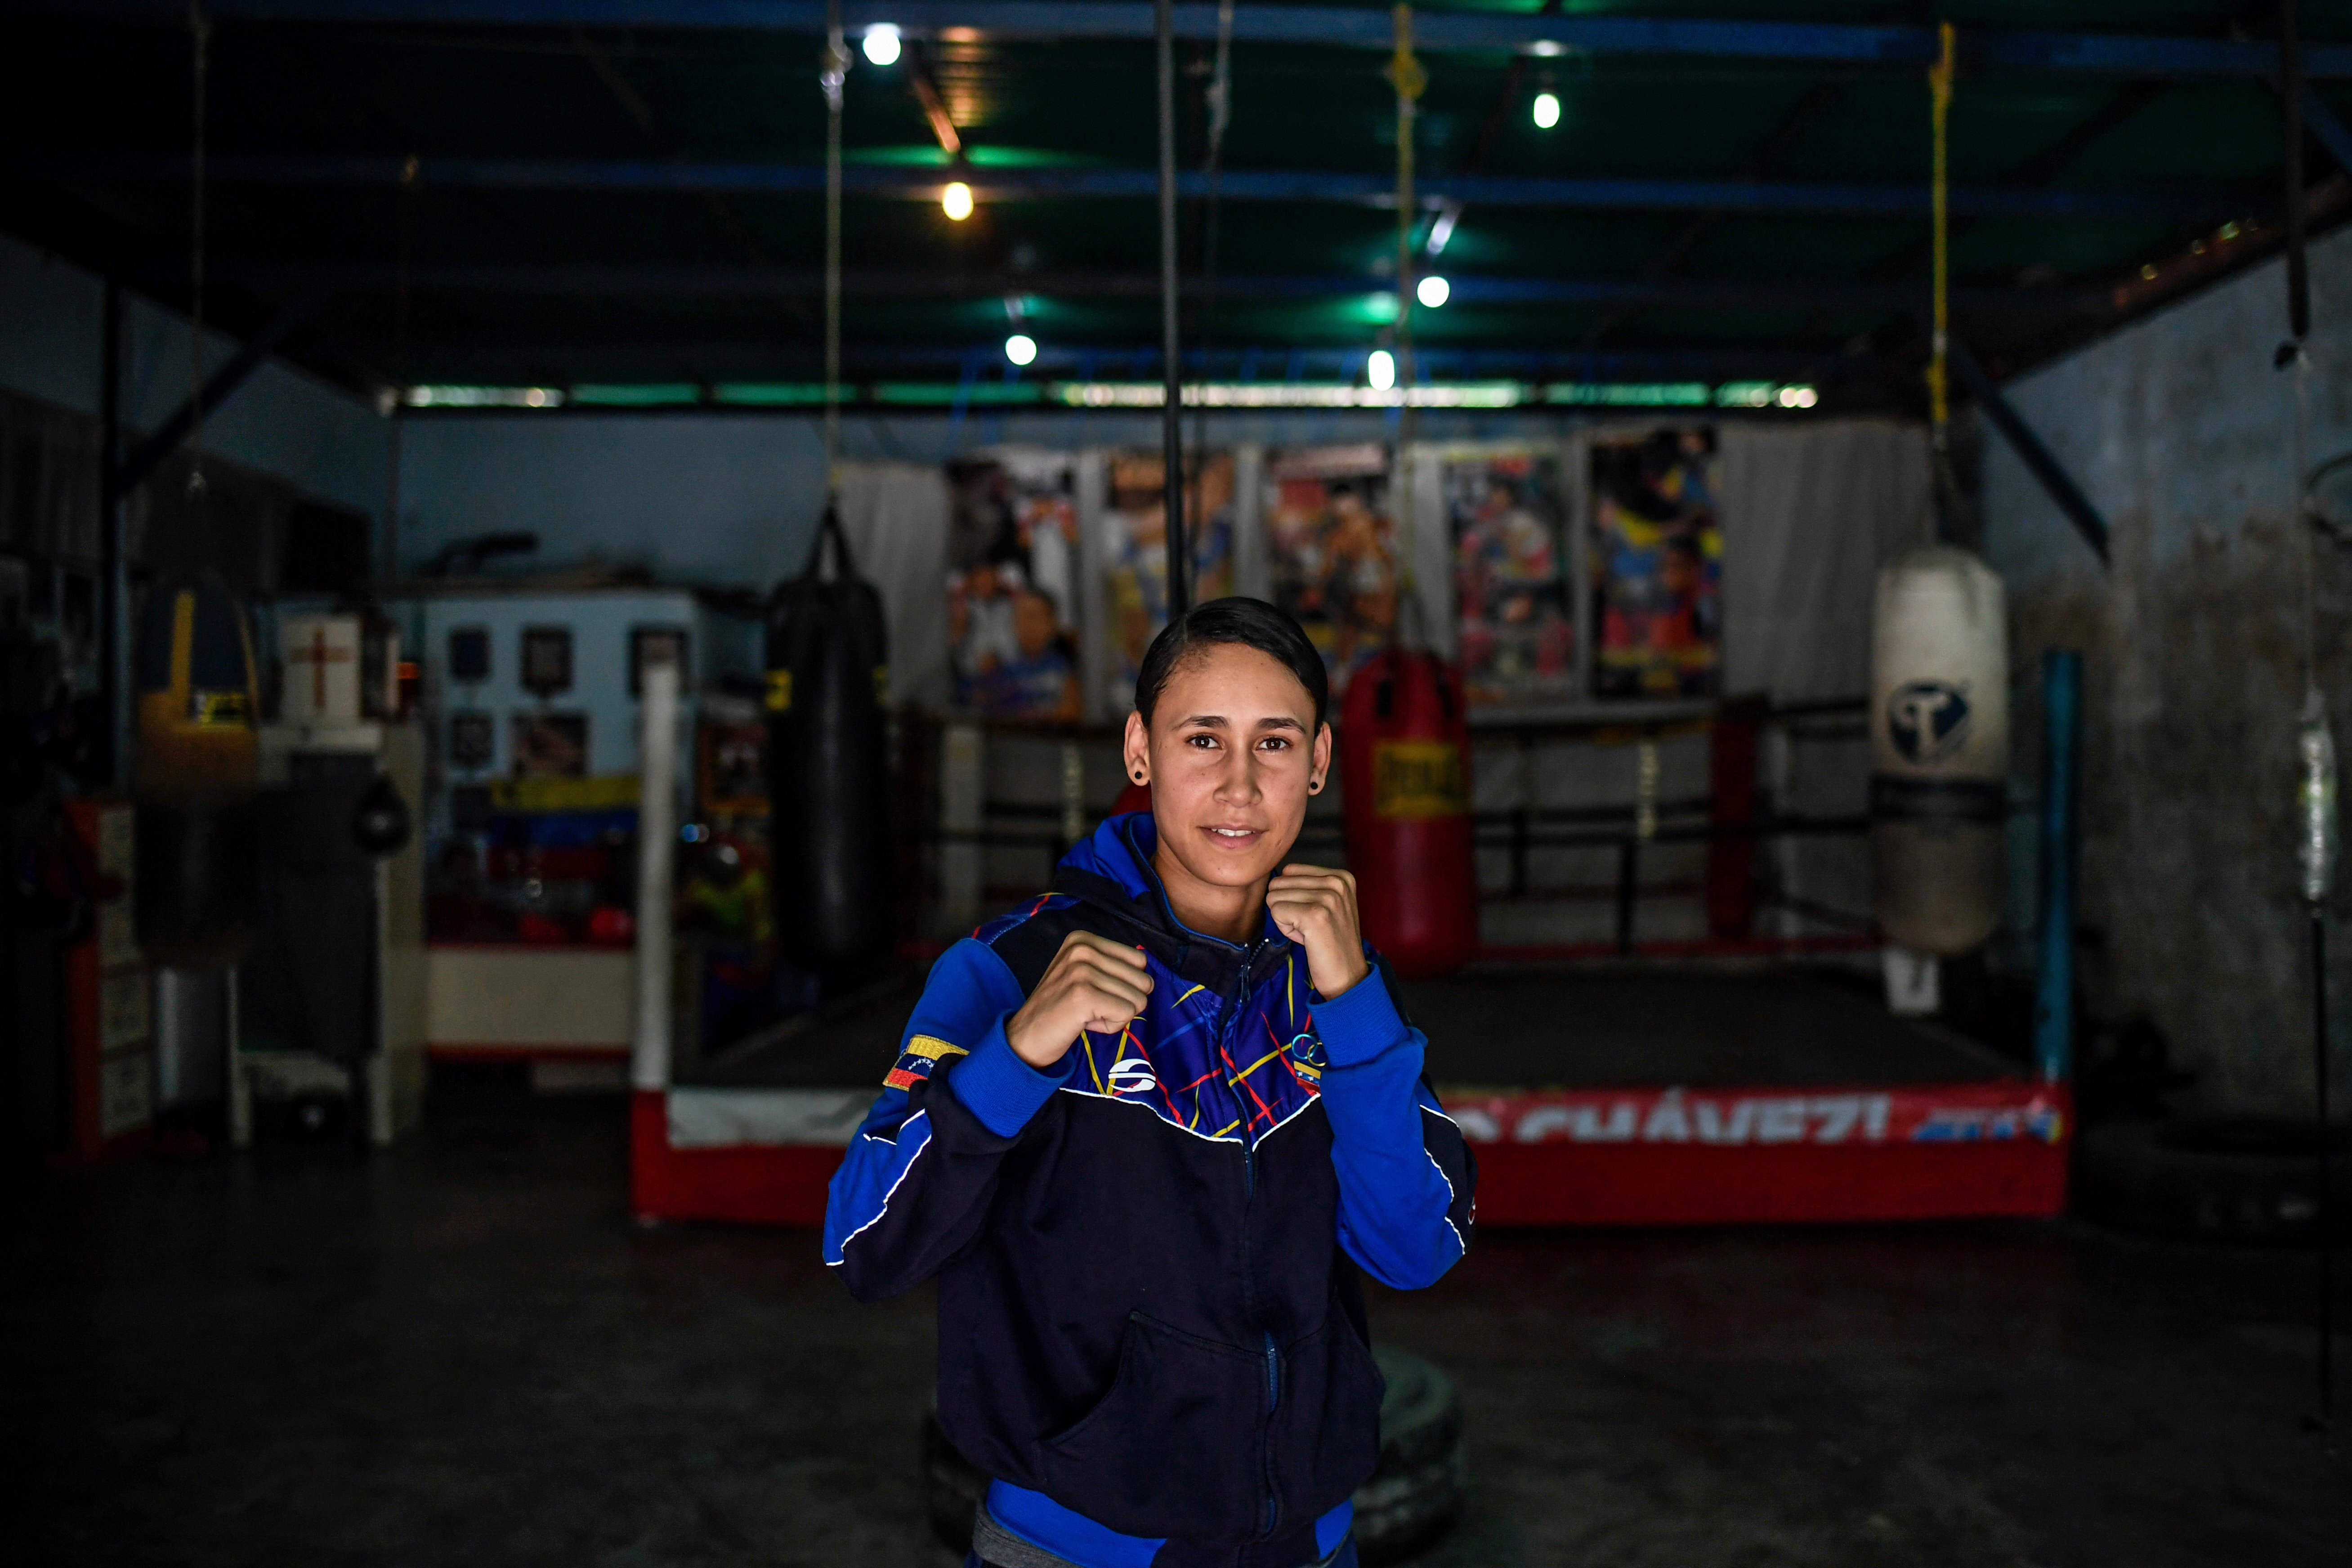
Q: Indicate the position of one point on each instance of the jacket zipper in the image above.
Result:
(1226, 1013)
(1272, 1513)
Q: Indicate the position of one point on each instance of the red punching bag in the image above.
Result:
(1405, 762)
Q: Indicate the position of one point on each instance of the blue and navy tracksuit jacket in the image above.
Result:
(1151, 1328)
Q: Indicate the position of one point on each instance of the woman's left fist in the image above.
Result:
(1315, 908)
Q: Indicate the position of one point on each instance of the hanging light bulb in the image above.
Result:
(882, 44)
(1020, 348)
(956, 202)
(1433, 290)
(1547, 111)
(1379, 370)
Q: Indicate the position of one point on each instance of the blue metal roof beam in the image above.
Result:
(724, 282)
(1809, 43)
(2190, 205)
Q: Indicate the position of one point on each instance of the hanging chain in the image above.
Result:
(1406, 73)
(834, 71)
(1939, 90)
(1220, 96)
(202, 31)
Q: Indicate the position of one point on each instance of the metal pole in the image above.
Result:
(114, 627)
(649, 1047)
(832, 74)
(2327, 1173)
(1172, 412)
(2062, 729)
(2298, 283)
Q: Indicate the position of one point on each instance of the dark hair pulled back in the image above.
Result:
(1251, 623)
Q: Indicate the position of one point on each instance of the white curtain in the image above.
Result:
(895, 517)
(1810, 514)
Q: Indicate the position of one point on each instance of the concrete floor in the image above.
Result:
(463, 1353)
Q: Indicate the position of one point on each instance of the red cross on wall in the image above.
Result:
(319, 656)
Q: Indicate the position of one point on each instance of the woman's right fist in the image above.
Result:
(1093, 985)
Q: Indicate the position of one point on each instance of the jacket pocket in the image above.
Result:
(1327, 1428)
(1175, 1448)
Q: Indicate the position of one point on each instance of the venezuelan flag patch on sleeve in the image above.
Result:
(915, 1063)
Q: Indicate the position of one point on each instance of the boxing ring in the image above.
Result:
(1734, 1080)
(1635, 1096)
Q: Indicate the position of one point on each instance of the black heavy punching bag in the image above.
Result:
(198, 759)
(829, 790)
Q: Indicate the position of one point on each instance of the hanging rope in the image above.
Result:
(1220, 96)
(395, 401)
(1405, 72)
(1939, 90)
(1171, 363)
(832, 72)
(203, 32)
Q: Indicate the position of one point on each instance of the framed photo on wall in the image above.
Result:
(1515, 608)
(473, 740)
(1135, 551)
(546, 664)
(1330, 540)
(1655, 555)
(1012, 586)
(671, 639)
(550, 745)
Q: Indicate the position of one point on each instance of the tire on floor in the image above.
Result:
(1412, 1497)
(2238, 1179)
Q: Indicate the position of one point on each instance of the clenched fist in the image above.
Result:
(1315, 908)
(1092, 985)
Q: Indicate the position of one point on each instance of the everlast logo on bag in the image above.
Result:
(223, 710)
(1418, 778)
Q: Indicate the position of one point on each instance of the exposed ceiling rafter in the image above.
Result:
(2191, 203)
(1891, 47)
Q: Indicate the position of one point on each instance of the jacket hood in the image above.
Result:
(1111, 868)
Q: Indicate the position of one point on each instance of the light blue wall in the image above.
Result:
(736, 499)
(2180, 431)
(282, 421)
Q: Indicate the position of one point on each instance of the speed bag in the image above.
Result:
(1404, 771)
(829, 791)
(196, 767)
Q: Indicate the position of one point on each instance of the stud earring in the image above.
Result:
(1138, 776)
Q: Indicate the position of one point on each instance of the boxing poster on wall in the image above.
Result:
(1514, 617)
(1135, 553)
(1656, 560)
(1013, 534)
(1330, 540)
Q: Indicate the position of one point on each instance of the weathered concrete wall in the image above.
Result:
(2181, 432)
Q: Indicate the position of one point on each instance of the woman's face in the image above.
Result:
(1231, 749)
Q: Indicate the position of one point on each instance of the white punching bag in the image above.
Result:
(1939, 750)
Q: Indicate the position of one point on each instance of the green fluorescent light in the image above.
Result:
(1631, 394)
(930, 156)
(1287, 394)
(1765, 394)
(638, 394)
(776, 393)
(1131, 395)
(938, 391)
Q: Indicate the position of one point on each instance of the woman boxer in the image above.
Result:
(1144, 1131)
